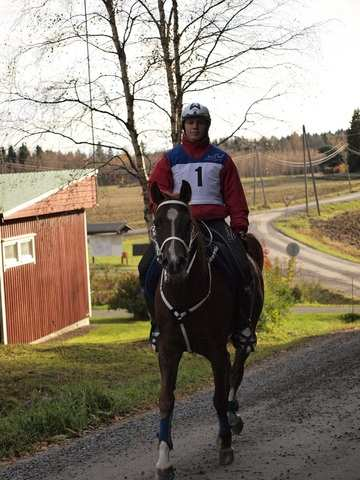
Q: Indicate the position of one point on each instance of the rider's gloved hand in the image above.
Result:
(242, 235)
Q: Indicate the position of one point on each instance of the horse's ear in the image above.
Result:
(156, 195)
(185, 191)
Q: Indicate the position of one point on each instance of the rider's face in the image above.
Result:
(195, 128)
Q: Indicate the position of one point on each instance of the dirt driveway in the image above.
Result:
(302, 421)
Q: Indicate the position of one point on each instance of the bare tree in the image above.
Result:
(212, 43)
(146, 58)
(62, 104)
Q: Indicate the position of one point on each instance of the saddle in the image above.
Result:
(231, 256)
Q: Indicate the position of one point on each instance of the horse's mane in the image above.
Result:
(170, 195)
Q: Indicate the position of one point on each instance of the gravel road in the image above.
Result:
(302, 420)
(331, 271)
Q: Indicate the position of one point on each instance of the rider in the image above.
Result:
(217, 192)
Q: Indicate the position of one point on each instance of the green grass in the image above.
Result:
(56, 390)
(298, 227)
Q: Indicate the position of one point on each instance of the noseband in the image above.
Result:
(160, 248)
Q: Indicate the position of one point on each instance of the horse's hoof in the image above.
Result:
(165, 474)
(226, 456)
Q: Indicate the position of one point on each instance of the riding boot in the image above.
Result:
(154, 329)
(149, 274)
(243, 337)
(154, 336)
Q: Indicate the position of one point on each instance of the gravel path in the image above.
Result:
(333, 272)
(302, 420)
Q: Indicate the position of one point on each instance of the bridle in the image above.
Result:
(160, 248)
(179, 316)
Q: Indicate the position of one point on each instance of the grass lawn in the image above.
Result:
(58, 389)
(299, 228)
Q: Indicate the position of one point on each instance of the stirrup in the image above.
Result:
(154, 337)
(244, 341)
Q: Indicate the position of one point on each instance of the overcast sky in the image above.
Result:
(326, 89)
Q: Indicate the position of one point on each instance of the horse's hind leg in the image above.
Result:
(169, 363)
(220, 363)
(236, 376)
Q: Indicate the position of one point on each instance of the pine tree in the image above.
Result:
(110, 154)
(2, 159)
(23, 153)
(38, 151)
(11, 155)
(353, 139)
(99, 154)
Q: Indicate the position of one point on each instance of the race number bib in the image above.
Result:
(204, 179)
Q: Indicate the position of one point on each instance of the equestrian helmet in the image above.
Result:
(195, 110)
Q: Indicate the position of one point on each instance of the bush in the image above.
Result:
(103, 284)
(128, 295)
(314, 292)
(350, 317)
(278, 298)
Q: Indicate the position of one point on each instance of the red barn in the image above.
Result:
(44, 274)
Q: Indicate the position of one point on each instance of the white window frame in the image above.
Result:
(21, 259)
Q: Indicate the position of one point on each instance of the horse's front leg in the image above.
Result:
(236, 376)
(220, 363)
(169, 363)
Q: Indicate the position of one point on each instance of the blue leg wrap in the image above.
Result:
(165, 430)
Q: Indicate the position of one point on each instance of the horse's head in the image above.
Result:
(173, 229)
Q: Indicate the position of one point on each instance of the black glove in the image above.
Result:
(242, 235)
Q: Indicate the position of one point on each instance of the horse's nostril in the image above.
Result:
(182, 262)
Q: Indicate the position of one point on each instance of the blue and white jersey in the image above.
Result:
(203, 174)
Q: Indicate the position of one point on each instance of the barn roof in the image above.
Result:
(117, 228)
(19, 190)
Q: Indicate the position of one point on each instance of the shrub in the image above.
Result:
(278, 298)
(103, 284)
(350, 317)
(128, 295)
(314, 292)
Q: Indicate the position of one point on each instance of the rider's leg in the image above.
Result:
(243, 338)
(149, 275)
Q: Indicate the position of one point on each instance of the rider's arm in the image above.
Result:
(162, 175)
(234, 197)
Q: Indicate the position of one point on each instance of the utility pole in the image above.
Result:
(254, 184)
(2, 160)
(348, 175)
(312, 172)
(261, 177)
(305, 174)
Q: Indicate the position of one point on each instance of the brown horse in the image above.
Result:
(195, 311)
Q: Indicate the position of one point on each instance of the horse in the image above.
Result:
(195, 311)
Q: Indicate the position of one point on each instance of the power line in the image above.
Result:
(89, 79)
(320, 160)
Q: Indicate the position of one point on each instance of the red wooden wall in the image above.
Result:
(51, 294)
